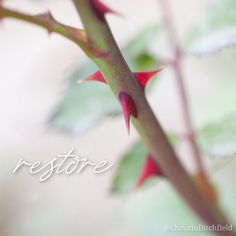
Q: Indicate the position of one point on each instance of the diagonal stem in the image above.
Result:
(120, 79)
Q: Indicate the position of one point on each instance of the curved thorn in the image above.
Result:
(149, 169)
(141, 77)
(48, 19)
(97, 76)
(129, 108)
(101, 9)
(144, 77)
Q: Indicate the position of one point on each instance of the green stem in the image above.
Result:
(47, 22)
(121, 79)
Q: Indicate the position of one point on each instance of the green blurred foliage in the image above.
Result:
(84, 105)
(130, 166)
(128, 169)
(216, 31)
(219, 139)
(153, 210)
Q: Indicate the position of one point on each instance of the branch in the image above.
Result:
(96, 44)
(48, 22)
(121, 80)
(176, 65)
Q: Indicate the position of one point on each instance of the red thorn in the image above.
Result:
(101, 9)
(49, 20)
(150, 169)
(144, 77)
(129, 108)
(141, 77)
(97, 76)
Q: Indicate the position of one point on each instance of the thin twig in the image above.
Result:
(48, 22)
(176, 65)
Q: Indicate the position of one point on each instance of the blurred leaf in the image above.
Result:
(219, 139)
(128, 170)
(217, 31)
(84, 105)
(139, 53)
(159, 210)
(130, 166)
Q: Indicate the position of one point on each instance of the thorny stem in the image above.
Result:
(121, 79)
(176, 65)
(47, 22)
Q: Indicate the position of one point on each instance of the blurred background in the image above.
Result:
(44, 113)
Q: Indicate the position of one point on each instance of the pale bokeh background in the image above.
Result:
(33, 68)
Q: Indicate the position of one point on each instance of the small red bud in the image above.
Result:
(150, 169)
(129, 108)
